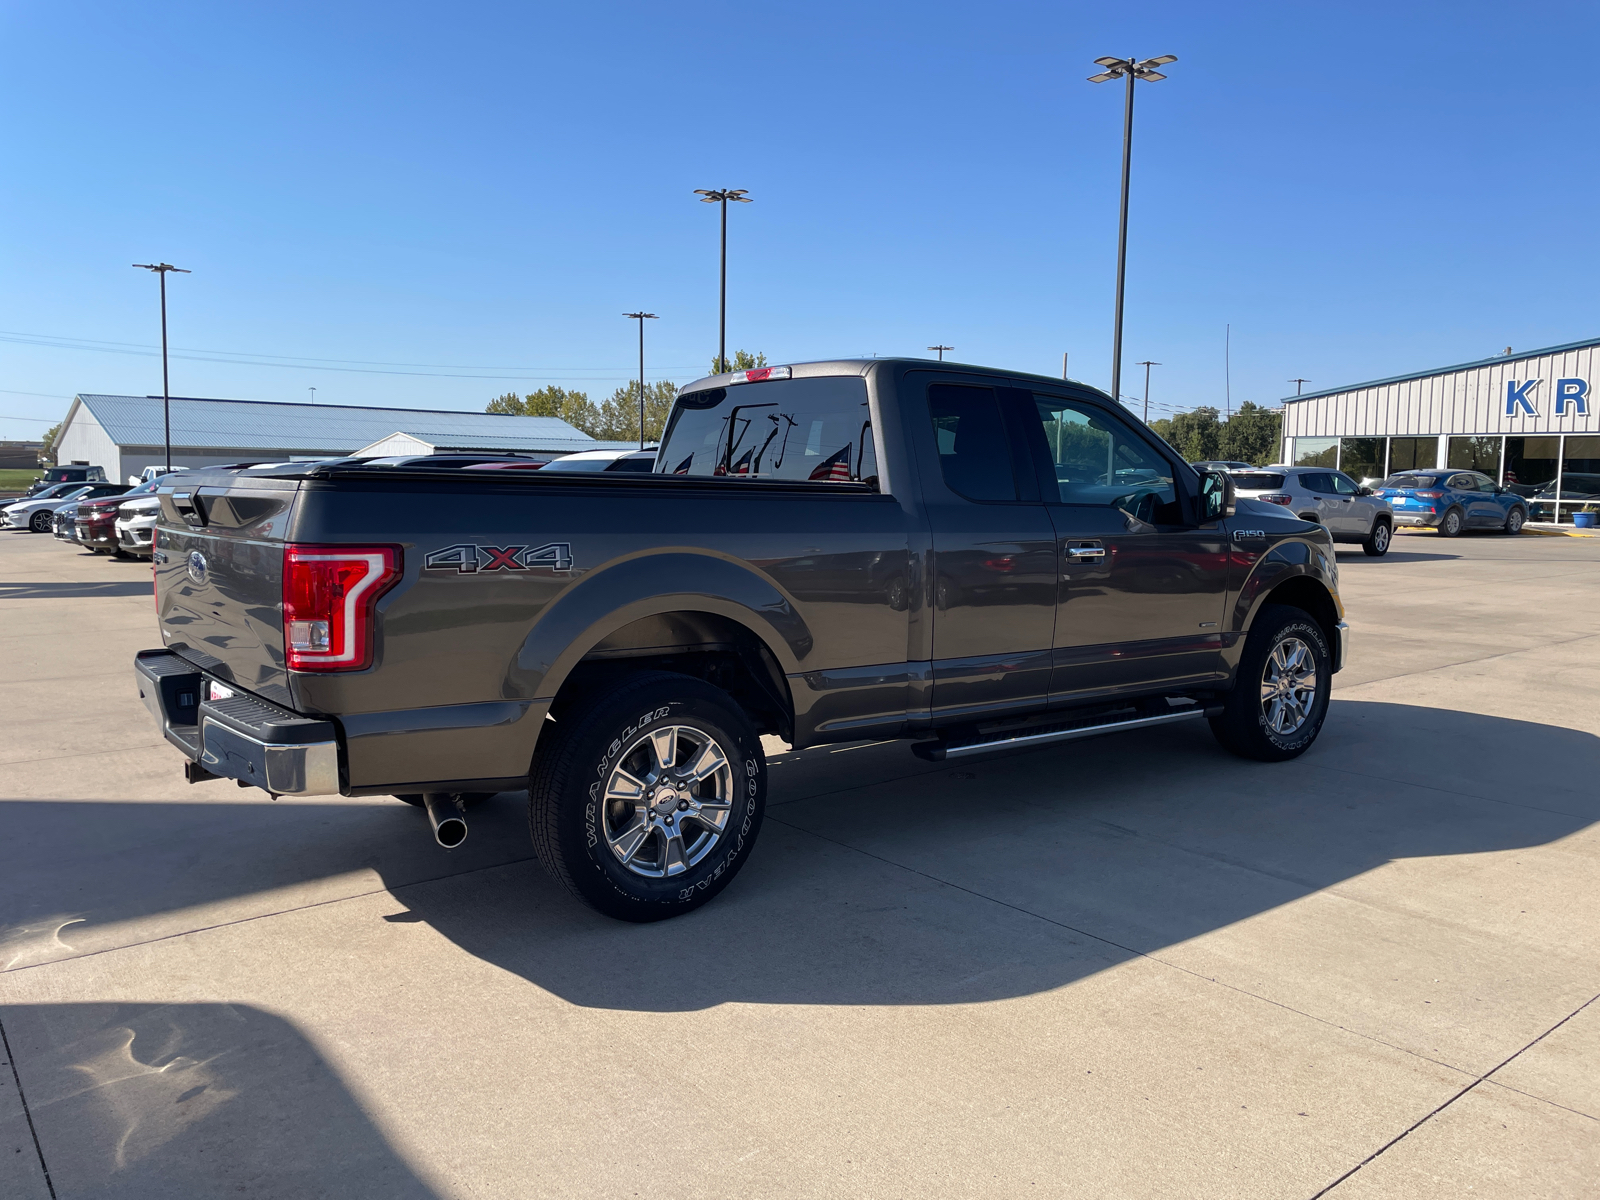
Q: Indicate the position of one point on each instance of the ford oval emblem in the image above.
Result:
(197, 568)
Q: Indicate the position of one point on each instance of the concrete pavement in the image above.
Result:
(1123, 968)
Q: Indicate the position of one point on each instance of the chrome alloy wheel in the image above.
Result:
(668, 800)
(1380, 538)
(1289, 686)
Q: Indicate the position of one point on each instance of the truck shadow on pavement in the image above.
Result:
(877, 880)
(159, 1101)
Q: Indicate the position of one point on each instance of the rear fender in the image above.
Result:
(612, 597)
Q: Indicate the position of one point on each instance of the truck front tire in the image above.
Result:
(1280, 695)
(646, 797)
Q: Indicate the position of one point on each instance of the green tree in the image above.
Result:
(619, 415)
(49, 450)
(575, 408)
(1196, 434)
(1251, 435)
(743, 360)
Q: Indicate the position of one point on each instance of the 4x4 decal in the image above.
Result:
(468, 558)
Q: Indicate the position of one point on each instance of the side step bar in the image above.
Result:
(941, 751)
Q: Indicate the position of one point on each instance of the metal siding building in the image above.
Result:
(1530, 420)
(123, 434)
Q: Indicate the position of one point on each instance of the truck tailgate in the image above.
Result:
(219, 582)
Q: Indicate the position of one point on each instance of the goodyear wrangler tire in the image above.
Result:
(646, 798)
(1280, 694)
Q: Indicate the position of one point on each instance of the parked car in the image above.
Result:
(36, 514)
(135, 525)
(972, 559)
(1451, 501)
(1575, 486)
(72, 474)
(1220, 464)
(605, 460)
(96, 519)
(150, 473)
(64, 523)
(1352, 513)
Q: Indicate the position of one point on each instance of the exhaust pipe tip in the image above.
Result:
(444, 814)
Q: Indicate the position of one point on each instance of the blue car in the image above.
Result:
(1451, 501)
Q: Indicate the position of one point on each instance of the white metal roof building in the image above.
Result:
(1528, 419)
(123, 434)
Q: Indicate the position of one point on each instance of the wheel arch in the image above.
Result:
(735, 629)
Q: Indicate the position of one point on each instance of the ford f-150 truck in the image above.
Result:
(973, 559)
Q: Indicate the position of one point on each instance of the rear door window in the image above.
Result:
(974, 449)
(789, 429)
(1462, 483)
(1317, 481)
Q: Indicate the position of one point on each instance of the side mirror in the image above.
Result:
(1216, 496)
(1364, 491)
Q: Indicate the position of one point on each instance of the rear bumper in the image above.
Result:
(1416, 518)
(240, 737)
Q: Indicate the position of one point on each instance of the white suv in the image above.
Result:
(1351, 512)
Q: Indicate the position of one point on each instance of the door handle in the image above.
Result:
(1086, 553)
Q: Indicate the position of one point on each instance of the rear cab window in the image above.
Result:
(799, 430)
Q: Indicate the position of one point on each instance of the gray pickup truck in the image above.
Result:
(972, 559)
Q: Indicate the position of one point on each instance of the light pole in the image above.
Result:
(941, 350)
(161, 269)
(1147, 365)
(313, 392)
(641, 317)
(722, 196)
(1297, 383)
(1131, 70)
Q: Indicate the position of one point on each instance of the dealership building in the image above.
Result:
(1526, 420)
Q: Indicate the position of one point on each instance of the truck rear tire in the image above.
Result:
(1280, 695)
(646, 798)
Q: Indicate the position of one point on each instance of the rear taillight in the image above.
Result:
(329, 593)
(1276, 498)
(1428, 495)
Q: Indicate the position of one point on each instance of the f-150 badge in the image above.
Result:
(1239, 535)
(469, 558)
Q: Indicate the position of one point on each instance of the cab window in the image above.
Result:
(1344, 485)
(817, 430)
(1100, 461)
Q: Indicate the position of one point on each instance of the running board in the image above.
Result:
(941, 751)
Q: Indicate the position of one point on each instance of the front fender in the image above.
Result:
(1288, 559)
(615, 595)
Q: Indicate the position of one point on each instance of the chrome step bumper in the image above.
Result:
(240, 737)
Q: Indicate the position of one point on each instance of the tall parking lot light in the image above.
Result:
(641, 317)
(722, 196)
(161, 269)
(1147, 365)
(1131, 70)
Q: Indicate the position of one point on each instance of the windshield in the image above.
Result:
(1410, 481)
(55, 490)
(793, 429)
(1256, 481)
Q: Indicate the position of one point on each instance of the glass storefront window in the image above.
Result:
(1316, 452)
(1580, 477)
(1361, 458)
(1413, 454)
(1480, 454)
(1531, 472)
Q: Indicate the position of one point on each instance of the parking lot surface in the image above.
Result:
(1130, 967)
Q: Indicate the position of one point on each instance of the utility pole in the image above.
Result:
(641, 317)
(941, 350)
(161, 269)
(1132, 71)
(313, 392)
(722, 196)
(1147, 366)
(1297, 383)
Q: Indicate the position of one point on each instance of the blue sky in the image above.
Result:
(438, 203)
